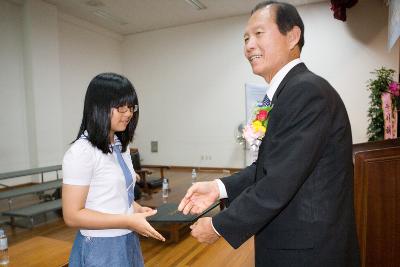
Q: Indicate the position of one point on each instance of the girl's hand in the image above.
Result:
(138, 223)
(141, 209)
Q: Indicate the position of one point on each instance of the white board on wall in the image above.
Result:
(254, 94)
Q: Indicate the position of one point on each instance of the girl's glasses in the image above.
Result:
(125, 109)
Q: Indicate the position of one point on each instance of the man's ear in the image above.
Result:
(293, 37)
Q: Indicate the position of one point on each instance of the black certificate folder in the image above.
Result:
(168, 212)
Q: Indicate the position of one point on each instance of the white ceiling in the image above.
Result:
(133, 16)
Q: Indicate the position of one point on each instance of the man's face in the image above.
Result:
(265, 47)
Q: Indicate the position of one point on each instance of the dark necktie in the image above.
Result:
(266, 101)
(127, 174)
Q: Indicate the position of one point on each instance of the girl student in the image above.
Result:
(98, 179)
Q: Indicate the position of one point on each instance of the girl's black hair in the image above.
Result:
(107, 91)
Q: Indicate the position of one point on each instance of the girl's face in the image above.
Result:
(120, 117)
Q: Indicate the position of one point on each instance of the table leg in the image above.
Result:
(174, 232)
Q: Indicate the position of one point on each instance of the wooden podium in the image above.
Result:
(377, 201)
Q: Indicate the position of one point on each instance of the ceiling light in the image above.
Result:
(110, 17)
(196, 4)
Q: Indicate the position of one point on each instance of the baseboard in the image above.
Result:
(204, 169)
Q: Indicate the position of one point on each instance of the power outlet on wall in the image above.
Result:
(206, 157)
(154, 146)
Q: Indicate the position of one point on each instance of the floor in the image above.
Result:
(187, 252)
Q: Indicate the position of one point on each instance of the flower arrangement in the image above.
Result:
(394, 88)
(254, 132)
(384, 98)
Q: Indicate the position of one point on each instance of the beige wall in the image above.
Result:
(190, 79)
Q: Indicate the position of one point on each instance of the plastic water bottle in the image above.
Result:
(4, 260)
(165, 188)
(194, 176)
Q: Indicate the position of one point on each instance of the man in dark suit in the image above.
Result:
(297, 198)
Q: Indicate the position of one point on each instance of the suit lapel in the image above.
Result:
(301, 67)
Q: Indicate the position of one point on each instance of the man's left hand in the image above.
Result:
(203, 231)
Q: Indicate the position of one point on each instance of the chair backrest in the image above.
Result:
(136, 160)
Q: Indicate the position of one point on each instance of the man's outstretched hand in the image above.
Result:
(199, 197)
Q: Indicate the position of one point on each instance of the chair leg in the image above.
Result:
(146, 188)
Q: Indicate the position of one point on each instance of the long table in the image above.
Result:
(26, 190)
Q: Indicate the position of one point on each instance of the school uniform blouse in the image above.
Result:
(86, 165)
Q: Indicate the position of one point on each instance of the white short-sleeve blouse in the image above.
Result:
(86, 165)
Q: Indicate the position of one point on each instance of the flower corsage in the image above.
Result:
(255, 131)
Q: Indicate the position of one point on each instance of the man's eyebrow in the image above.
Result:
(259, 25)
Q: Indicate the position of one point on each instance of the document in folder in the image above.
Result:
(168, 212)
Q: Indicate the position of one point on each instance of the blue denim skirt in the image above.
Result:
(117, 251)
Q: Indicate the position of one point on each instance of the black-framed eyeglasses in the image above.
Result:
(125, 109)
